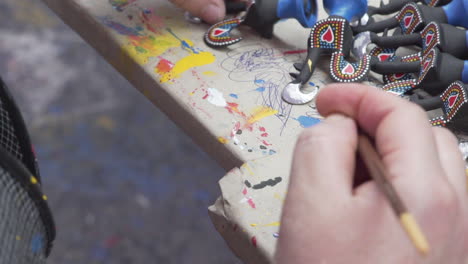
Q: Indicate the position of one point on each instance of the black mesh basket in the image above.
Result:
(26, 225)
(14, 136)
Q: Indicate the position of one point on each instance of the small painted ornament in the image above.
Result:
(453, 99)
(261, 15)
(413, 17)
(344, 71)
(328, 34)
(454, 103)
(410, 18)
(395, 5)
(219, 35)
(401, 87)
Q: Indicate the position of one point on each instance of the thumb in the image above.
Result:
(325, 155)
(210, 11)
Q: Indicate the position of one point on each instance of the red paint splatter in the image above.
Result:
(233, 108)
(201, 110)
(251, 203)
(151, 21)
(294, 52)
(244, 192)
(262, 129)
(164, 66)
(254, 241)
(204, 97)
(235, 129)
(112, 241)
(264, 135)
(266, 143)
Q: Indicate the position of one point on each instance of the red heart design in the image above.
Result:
(218, 32)
(398, 75)
(348, 69)
(426, 64)
(384, 56)
(429, 38)
(408, 19)
(328, 35)
(452, 99)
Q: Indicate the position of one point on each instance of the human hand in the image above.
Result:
(211, 11)
(326, 221)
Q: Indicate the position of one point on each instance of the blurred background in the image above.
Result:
(124, 184)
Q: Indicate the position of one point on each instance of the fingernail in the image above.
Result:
(212, 13)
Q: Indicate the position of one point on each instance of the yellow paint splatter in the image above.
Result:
(33, 180)
(223, 140)
(142, 48)
(209, 73)
(260, 113)
(186, 63)
(44, 197)
(278, 196)
(106, 123)
(247, 168)
(265, 225)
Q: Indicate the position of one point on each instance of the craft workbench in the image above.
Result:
(227, 100)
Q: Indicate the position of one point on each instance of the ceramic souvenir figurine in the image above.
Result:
(395, 5)
(448, 38)
(261, 15)
(413, 18)
(453, 102)
(436, 70)
(328, 36)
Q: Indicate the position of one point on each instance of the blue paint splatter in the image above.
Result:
(37, 243)
(234, 96)
(272, 152)
(261, 89)
(100, 253)
(311, 84)
(307, 121)
(259, 81)
(122, 29)
(183, 42)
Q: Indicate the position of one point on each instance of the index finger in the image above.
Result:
(401, 129)
(211, 11)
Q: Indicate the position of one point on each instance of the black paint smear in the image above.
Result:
(263, 184)
(249, 150)
(247, 183)
(263, 147)
(239, 132)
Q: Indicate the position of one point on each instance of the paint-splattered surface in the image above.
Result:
(125, 185)
(228, 101)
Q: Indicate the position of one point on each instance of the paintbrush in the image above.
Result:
(380, 175)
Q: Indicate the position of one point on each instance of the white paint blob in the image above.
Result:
(216, 97)
(293, 94)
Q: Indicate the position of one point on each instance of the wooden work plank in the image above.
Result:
(227, 100)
